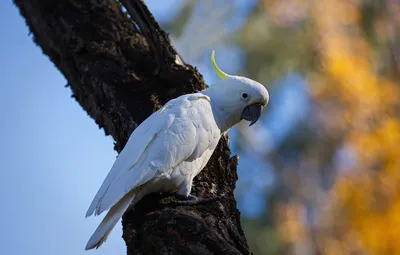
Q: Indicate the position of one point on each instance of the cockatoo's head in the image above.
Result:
(237, 97)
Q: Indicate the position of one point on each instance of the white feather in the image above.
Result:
(179, 132)
(171, 147)
(109, 221)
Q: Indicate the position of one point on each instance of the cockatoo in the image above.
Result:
(166, 151)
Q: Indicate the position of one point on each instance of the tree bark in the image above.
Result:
(121, 68)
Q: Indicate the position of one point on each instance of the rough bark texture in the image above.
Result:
(120, 72)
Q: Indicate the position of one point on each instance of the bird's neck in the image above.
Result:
(224, 116)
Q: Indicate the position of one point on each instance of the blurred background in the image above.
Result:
(317, 175)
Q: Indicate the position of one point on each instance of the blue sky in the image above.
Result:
(53, 155)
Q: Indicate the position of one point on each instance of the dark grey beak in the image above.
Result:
(252, 113)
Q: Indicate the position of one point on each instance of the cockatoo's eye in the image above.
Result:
(244, 96)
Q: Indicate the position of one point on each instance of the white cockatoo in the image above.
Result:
(167, 150)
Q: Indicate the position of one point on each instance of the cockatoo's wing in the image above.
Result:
(176, 132)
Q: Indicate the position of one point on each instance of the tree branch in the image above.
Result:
(158, 40)
(109, 65)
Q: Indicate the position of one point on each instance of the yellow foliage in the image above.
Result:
(360, 105)
(291, 226)
(367, 196)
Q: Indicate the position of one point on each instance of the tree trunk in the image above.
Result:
(121, 69)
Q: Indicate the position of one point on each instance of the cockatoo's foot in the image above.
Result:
(193, 200)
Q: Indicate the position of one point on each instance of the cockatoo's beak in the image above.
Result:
(252, 113)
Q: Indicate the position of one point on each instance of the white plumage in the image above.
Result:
(161, 149)
(172, 146)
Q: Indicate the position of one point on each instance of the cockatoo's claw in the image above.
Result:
(193, 200)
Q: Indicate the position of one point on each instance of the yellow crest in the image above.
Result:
(220, 73)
